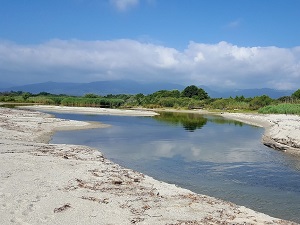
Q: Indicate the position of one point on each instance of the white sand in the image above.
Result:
(67, 184)
(91, 110)
(282, 132)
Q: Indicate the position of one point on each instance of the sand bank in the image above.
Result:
(67, 184)
(282, 132)
(91, 110)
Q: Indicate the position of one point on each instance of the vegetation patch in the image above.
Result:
(191, 97)
(281, 109)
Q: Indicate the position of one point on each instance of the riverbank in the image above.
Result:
(90, 110)
(67, 184)
(282, 132)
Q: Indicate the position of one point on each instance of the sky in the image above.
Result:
(225, 44)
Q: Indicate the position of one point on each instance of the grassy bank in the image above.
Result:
(281, 109)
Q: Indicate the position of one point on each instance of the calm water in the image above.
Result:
(208, 155)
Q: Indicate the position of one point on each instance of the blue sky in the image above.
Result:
(229, 44)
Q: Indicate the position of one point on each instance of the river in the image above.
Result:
(207, 154)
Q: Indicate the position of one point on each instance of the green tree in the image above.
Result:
(201, 95)
(194, 92)
(26, 95)
(90, 95)
(190, 91)
(285, 99)
(260, 101)
(43, 93)
(296, 94)
(240, 98)
(174, 94)
(139, 98)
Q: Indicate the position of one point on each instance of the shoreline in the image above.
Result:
(90, 110)
(282, 132)
(71, 184)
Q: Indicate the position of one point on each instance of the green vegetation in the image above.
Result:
(88, 100)
(191, 97)
(194, 92)
(296, 94)
(281, 109)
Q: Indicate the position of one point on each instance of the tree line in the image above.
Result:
(191, 97)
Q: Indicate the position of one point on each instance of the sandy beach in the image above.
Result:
(68, 184)
(282, 132)
(91, 110)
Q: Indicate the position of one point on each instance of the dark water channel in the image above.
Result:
(206, 154)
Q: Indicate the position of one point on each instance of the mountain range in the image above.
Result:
(133, 87)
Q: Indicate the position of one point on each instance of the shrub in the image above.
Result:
(281, 109)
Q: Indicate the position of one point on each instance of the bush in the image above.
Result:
(260, 101)
(167, 102)
(281, 109)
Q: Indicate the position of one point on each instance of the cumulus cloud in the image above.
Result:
(219, 65)
(123, 5)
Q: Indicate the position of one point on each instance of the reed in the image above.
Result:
(281, 109)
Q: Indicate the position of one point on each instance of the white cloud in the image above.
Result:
(123, 5)
(220, 65)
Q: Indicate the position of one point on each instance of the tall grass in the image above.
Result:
(281, 109)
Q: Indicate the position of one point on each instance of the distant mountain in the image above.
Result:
(273, 93)
(133, 87)
(5, 85)
(99, 87)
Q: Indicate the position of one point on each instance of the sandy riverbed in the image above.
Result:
(67, 184)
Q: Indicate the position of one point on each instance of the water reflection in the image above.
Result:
(221, 120)
(220, 157)
(189, 121)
